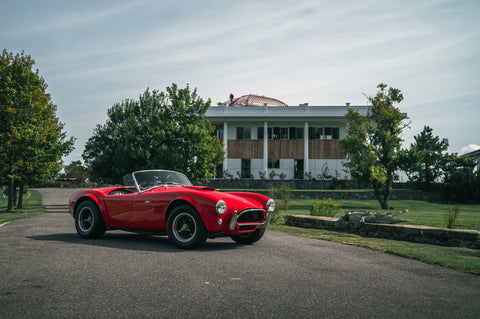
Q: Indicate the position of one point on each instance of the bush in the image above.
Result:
(339, 184)
(451, 216)
(325, 208)
(462, 185)
(275, 217)
(285, 193)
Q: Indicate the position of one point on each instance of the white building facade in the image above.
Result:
(275, 141)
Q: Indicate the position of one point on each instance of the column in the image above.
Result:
(305, 149)
(265, 148)
(225, 142)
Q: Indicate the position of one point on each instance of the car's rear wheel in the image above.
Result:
(185, 228)
(249, 238)
(89, 221)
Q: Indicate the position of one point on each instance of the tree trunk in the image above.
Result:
(11, 192)
(20, 196)
(15, 185)
(387, 191)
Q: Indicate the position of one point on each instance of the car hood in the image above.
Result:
(234, 200)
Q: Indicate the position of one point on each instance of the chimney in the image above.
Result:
(347, 104)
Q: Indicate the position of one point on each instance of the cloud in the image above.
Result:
(469, 148)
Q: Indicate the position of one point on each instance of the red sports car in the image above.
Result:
(165, 202)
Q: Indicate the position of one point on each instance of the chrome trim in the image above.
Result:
(233, 223)
(236, 215)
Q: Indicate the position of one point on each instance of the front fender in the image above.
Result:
(205, 207)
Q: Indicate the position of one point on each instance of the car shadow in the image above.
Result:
(136, 242)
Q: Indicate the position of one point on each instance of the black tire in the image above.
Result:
(185, 228)
(89, 221)
(249, 238)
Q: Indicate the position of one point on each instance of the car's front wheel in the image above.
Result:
(249, 238)
(89, 221)
(185, 228)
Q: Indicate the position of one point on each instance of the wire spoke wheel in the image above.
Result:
(185, 227)
(89, 221)
(85, 219)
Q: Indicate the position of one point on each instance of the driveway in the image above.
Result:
(49, 272)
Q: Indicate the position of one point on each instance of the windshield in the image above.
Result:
(145, 180)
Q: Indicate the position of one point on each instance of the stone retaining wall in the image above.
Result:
(417, 234)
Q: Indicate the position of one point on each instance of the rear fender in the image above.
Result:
(100, 203)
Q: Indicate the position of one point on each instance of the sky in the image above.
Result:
(93, 54)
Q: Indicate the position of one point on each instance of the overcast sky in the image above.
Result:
(94, 54)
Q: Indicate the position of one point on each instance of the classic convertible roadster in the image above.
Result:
(165, 203)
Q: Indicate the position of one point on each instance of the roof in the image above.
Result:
(252, 100)
(475, 153)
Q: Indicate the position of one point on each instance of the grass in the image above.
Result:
(419, 212)
(32, 206)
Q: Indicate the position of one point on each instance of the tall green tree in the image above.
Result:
(373, 142)
(424, 160)
(166, 130)
(75, 170)
(461, 182)
(32, 141)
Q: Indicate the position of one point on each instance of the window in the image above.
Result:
(282, 133)
(279, 133)
(260, 131)
(273, 163)
(323, 133)
(296, 133)
(331, 133)
(244, 133)
(219, 134)
(315, 133)
(246, 172)
(298, 169)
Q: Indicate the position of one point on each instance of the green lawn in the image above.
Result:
(419, 212)
(32, 207)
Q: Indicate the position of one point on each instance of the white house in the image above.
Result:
(264, 137)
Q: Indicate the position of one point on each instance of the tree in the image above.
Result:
(32, 142)
(373, 142)
(160, 130)
(461, 182)
(424, 160)
(76, 171)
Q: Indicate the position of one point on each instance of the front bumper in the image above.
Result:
(247, 218)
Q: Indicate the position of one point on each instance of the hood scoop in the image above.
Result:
(202, 188)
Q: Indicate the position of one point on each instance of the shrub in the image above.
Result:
(275, 217)
(451, 216)
(339, 183)
(285, 193)
(325, 208)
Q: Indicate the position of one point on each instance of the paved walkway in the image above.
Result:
(55, 200)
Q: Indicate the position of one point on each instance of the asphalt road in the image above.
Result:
(47, 271)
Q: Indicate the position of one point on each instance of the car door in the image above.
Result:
(120, 209)
(149, 210)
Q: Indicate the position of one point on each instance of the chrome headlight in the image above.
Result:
(271, 205)
(221, 207)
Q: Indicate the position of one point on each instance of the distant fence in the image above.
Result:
(303, 189)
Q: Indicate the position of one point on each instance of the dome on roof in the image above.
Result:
(253, 100)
